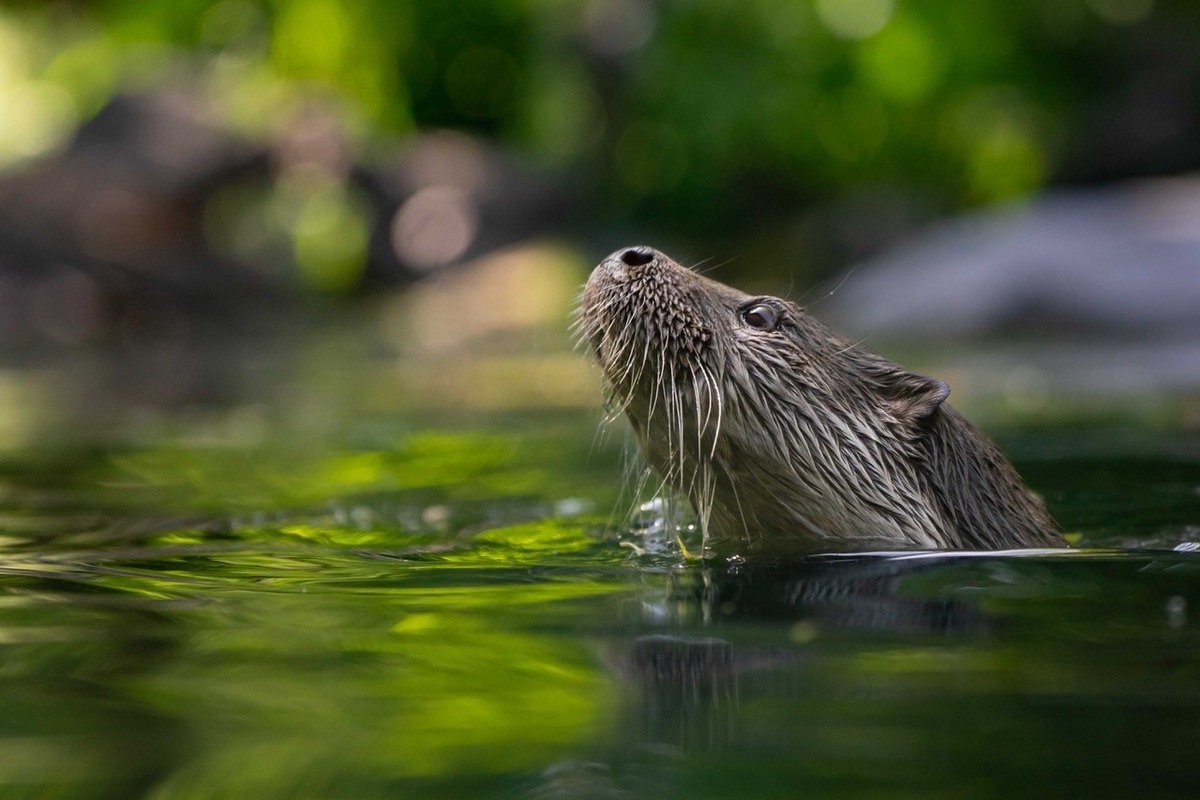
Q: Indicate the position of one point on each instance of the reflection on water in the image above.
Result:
(399, 603)
(321, 657)
(978, 675)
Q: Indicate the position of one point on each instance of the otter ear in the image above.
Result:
(913, 397)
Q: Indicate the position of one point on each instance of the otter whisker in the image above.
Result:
(832, 291)
(714, 400)
(696, 268)
(851, 346)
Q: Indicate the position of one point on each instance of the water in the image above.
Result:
(248, 598)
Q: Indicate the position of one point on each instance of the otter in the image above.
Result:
(786, 437)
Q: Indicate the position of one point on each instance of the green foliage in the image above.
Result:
(685, 110)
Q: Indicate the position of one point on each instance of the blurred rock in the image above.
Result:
(106, 238)
(1121, 262)
(157, 216)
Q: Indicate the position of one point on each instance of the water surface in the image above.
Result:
(230, 599)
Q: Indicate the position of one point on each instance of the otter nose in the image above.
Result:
(638, 256)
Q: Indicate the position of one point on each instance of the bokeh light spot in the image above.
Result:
(1122, 12)
(434, 227)
(903, 61)
(855, 19)
(616, 27)
(566, 115)
(312, 38)
(329, 239)
(1005, 162)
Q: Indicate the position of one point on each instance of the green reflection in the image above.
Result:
(463, 465)
(417, 615)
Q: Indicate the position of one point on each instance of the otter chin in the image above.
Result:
(786, 437)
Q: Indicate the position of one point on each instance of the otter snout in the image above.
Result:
(627, 262)
(636, 256)
(637, 308)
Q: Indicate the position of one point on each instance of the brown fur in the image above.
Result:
(787, 437)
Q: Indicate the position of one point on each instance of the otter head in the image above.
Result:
(785, 436)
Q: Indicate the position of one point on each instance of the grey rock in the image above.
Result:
(1122, 260)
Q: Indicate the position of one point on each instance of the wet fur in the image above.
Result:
(793, 439)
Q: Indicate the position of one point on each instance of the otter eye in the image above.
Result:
(761, 317)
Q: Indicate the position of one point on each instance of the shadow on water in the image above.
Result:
(920, 673)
